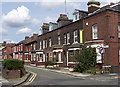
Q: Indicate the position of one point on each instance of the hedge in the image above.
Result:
(13, 64)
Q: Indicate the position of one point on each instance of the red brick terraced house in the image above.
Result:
(102, 31)
(6, 51)
(97, 27)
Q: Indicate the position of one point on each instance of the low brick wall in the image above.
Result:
(10, 74)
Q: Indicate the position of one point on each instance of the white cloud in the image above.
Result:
(25, 31)
(35, 21)
(52, 4)
(3, 32)
(17, 17)
(49, 19)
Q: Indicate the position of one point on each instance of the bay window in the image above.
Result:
(59, 56)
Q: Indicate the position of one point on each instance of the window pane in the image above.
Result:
(119, 55)
(118, 29)
(75, 36)
(68, 37)
(95, 31)
(59, 56)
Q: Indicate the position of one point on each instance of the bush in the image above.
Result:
(13, 64)
(86, 59)
(49, 63)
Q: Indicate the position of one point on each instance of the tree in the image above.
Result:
(86, 59)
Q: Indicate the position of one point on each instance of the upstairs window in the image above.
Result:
(64, 38)
(59, 39)
(75, 36)
(40, 45)
(46, 44)
(68, 38)
(95, 31)
(119, 55)
(119, 30)
(43, 44)
(34, 46)
(50, 43)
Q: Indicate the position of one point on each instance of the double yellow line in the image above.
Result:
(31, 79)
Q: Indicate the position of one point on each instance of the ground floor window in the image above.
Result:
(16, 56)
(119, 55)
(54, 56)
(43, 57)
(59, 56)
(21, 56)
(71, 54)
(31, 57)
(34, 57)
(50, 56)
(26, 56)
(40, 57)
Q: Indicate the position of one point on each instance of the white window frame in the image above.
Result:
(75, 36)
(40, 58)
(46, 43)
(65, 39)
(95, 31)
(59, 39)
(43, 44)
(68, 38)
(50, 42)
(59, 57)
(43, 57)
(40, 45)
(119, 55)
(119, 30)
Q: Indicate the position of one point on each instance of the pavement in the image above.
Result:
(67, 71)
(2, 80)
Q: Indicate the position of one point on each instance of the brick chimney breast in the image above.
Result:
(63, 20)
(93, 6)
(26, 37)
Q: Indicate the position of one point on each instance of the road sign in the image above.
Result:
(101, 50)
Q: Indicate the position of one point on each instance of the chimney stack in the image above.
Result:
(45, 28)
(93, 6)
(63, 20)
(26, 37)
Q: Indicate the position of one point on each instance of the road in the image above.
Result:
(51, 78)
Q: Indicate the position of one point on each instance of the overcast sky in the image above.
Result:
(21, 18)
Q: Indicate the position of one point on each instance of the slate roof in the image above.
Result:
(35, 40)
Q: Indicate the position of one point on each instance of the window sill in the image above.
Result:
(59, 62)
(40, 61)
